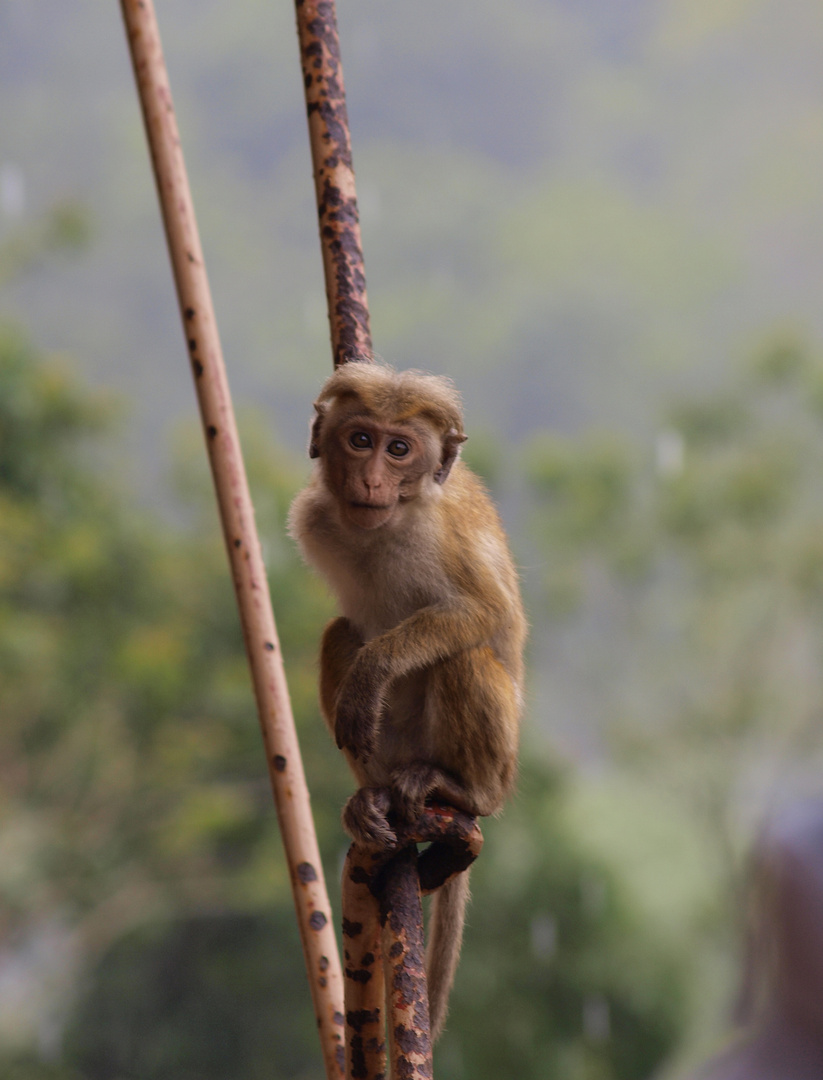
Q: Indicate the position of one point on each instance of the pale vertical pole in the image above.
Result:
(237, 517)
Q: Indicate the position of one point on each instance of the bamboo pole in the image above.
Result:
(339, 221)
(237, 517)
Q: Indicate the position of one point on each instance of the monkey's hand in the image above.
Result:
(356, 722)
(359, 708)
(364, 818)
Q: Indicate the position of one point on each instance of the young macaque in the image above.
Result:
(421, 676)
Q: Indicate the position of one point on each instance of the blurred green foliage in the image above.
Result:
(66, 228)
(695, 564)
(559, 975)
(136, 826)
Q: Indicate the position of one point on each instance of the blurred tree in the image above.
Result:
(131, 780)
(65, 228)
(704, 562)
(144, 907)
(558, 976)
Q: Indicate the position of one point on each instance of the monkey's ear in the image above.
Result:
(314, 429)
(452, 441)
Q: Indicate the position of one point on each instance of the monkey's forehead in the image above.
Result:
(415, 414)
(402, 396)
(393, 420)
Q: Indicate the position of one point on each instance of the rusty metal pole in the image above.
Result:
(334, 181)
(382, 913)
(364, 981)
(237, 517)
(455, 842)
(385, 978)
(401, 915)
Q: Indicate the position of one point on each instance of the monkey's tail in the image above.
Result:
(448, 914)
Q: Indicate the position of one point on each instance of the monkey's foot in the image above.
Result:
(412, 786)
(365, 818)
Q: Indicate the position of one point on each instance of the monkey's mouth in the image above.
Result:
(369, 515)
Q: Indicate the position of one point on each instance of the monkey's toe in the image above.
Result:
(364, 818)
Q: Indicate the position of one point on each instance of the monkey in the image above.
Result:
(421, 675)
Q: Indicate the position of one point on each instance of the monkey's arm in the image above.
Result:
(338, 648)
(429, 635)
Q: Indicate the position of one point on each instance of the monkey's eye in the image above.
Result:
(360, 440)
(398, 448)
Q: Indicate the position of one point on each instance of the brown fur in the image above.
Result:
(421, 675)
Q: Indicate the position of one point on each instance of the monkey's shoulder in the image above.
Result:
(470, 521)
(466, 499)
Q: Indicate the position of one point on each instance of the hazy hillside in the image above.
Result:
(565, 205)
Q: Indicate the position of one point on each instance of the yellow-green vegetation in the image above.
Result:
(690, 568)
(143, 892)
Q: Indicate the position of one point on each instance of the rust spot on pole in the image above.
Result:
(455, 839)
(339, 220)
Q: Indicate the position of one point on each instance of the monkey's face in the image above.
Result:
(374, 468)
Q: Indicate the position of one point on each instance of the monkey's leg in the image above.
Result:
(339, 646)
(351, 717)
(472, 712)
(432, 635)
(413, 784)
